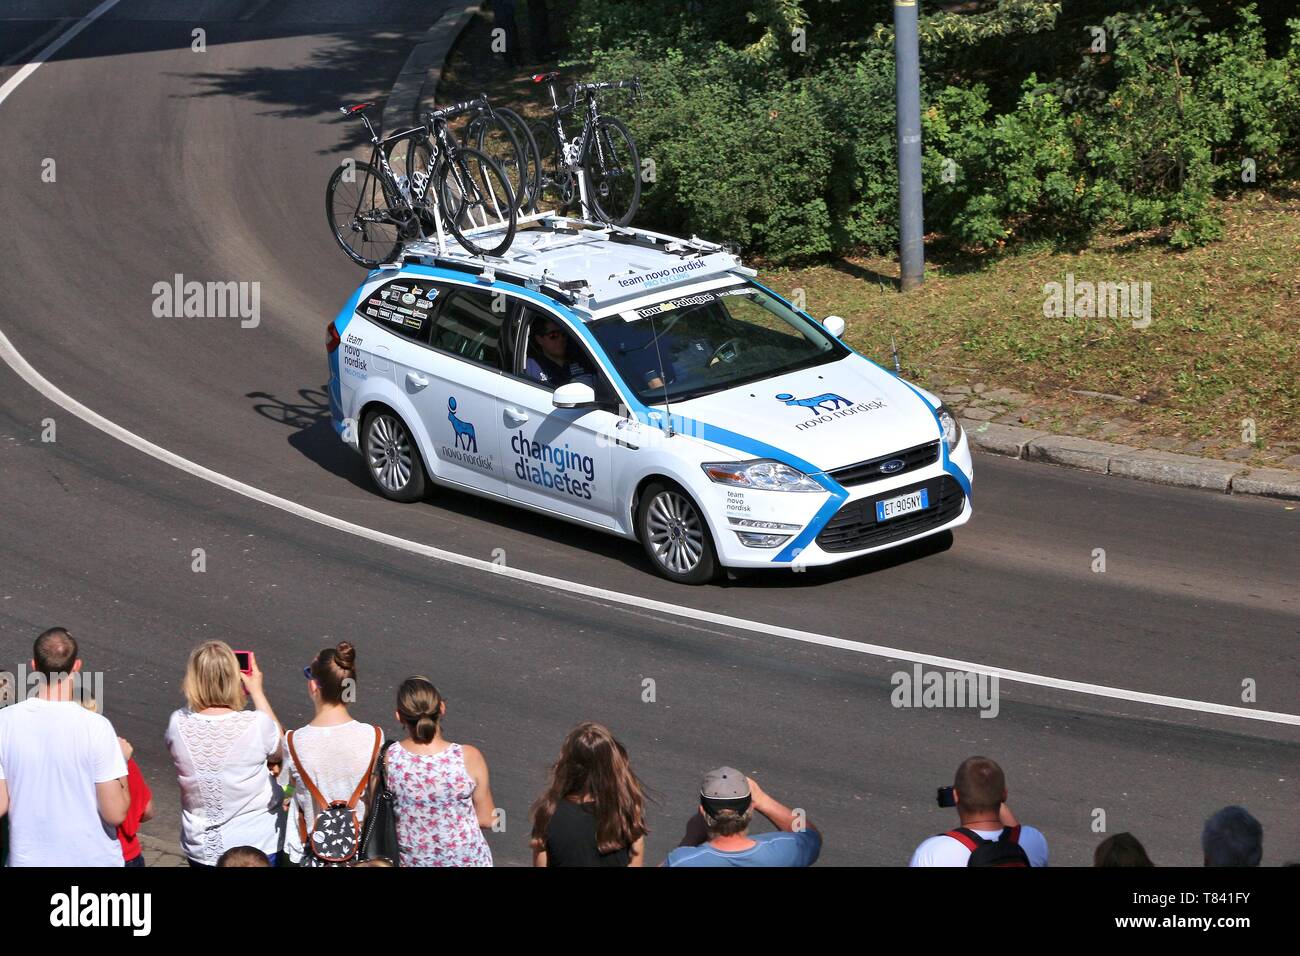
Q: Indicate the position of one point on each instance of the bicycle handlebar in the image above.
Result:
(633, 84)
(480, 102)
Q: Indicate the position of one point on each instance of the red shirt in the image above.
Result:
(128, 832)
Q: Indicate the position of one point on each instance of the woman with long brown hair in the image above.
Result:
(593, 810)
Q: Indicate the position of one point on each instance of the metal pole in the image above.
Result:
(907, 75)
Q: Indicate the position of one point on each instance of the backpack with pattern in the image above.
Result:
(335, 833)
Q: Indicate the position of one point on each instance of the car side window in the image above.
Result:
(404, 306)
(470, 326)
(549, 360)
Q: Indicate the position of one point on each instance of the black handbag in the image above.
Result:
(379, 839)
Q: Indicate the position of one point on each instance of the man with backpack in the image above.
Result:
(988, 834)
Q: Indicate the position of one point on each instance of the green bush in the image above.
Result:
(794, 156)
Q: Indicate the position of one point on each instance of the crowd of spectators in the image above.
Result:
(253, 794)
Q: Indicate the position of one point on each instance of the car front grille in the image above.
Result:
(854, 526)
(865, 471)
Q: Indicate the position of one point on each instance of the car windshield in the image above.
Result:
(690, 345)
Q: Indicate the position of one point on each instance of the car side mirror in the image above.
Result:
(574, 395)
(834, 325)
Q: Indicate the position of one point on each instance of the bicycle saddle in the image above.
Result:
(543, 77)
(359, 108)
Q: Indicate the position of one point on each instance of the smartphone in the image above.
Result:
(945, 797)
(245, 661)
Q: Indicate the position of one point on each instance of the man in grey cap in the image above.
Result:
(728, 800)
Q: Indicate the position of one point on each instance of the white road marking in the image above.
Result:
(23, 368)
(16, 80)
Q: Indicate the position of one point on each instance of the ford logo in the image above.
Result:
(892, 466)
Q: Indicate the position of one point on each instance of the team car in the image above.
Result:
(647, 386)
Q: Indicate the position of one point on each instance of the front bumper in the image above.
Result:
(834, 527)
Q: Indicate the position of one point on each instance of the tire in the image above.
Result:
(496, 137)
(533, 156)
(359, 215)
(473, 191)
(554, 185)
(392, 457)
(612, 170)
(687, 555)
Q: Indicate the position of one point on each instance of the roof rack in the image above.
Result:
(558, 239)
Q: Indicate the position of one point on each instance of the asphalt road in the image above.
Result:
(212, 165)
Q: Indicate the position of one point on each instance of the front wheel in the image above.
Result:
(476, 196)
(612, 170)
(675, 535)
(392, 457)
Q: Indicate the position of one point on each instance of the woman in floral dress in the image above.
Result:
(443, 800)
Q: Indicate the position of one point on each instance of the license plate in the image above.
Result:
(904, 504)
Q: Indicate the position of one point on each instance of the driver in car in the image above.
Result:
(553, 360)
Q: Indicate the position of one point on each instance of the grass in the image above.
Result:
(1222, 349)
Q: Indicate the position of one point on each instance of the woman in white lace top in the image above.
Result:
(221, 752)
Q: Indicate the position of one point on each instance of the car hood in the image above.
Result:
(830, 416)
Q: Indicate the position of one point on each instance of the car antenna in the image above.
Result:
(898, 369)
(663, 375)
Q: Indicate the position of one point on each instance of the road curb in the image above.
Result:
(418, 80)
(1107, 458)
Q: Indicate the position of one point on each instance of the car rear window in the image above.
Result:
(404, 306)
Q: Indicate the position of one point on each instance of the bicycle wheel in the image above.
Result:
(476, 196)
(612, 170)
(532, 154)
(555, 184)
(366, 216)
(494, 137)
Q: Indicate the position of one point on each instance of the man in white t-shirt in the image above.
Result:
(980, 792)
(63, 777)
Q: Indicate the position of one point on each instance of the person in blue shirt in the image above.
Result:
(728, 801)
(553, 360)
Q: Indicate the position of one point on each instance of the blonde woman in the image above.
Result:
(221, 752)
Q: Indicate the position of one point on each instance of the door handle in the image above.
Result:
(416, 380)
(515, 415)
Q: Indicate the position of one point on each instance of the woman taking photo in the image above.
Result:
(221, 752)
(593, 811)
(442, 797)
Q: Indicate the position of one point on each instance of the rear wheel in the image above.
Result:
(496, 138)
(556, 186)
(392, 457)
(368, 220)
(675, 535)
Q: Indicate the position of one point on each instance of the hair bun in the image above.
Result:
(347, 656)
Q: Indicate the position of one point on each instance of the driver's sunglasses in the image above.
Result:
(306, 672)
(553, 334)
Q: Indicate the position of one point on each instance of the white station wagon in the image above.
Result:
(647, 386)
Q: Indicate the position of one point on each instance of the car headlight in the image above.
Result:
(951, 428)
(760, 475)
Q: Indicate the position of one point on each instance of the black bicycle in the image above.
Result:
(604, 155)
(373, 210)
